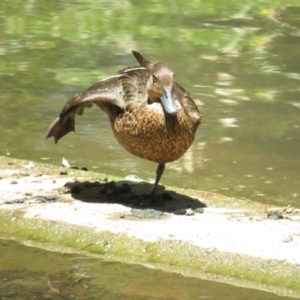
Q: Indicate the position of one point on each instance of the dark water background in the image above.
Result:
(238, 59)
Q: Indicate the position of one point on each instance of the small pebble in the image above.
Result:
(147, 213)
(189, 212)
(274, 215)
(181, 211)
(102, 178)
(16, 201)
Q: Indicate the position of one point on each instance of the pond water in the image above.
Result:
(33, 273)
(238, 59)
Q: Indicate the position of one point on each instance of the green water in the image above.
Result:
(238, 59)
(33, 273)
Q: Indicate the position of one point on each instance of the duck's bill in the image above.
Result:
(168, 101)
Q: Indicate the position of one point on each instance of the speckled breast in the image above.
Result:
(146, 131)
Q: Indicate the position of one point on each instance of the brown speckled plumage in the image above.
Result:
(136, 130)
(142, 122)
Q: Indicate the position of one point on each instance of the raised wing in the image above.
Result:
(112, 95)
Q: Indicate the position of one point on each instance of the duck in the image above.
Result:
(151, 115)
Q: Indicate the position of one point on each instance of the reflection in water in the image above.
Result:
(238, 61)
(32, 273)
(229, 122)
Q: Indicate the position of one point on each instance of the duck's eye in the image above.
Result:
(154, 78)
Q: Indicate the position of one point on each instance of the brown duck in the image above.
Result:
(151, 115)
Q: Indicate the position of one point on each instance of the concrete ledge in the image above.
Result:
(216, 237)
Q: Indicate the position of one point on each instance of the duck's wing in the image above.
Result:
(112, 95)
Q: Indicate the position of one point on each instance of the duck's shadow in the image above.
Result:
(132, 194)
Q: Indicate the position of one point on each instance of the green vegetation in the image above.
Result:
(169, 255)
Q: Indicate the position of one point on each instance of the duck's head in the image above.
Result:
(160, 83)
(160, 87)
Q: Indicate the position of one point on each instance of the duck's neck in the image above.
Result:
(153, 97)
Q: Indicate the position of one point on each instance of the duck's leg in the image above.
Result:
(150, 199)
(159, 171)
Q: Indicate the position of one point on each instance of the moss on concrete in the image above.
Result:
(169, 255)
